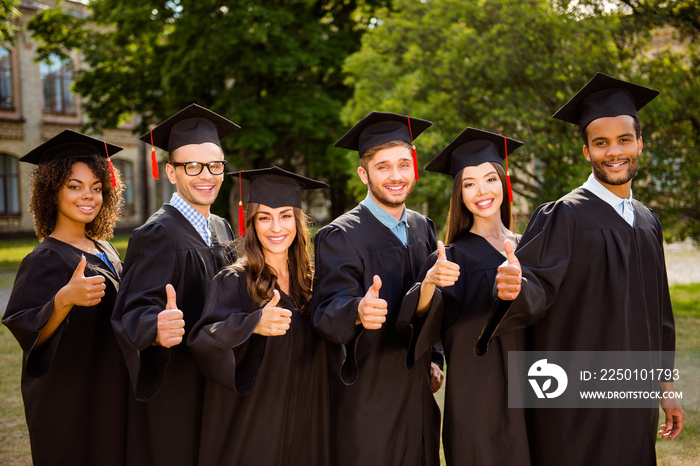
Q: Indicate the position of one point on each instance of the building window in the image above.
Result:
(126, 169)
(6, 80)
(56, 81)
(9, 185)
(164, 189)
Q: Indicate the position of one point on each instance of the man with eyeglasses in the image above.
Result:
(169, 263)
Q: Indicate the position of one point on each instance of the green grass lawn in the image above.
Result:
(14, 442)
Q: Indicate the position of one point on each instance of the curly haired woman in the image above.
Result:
(74, 382)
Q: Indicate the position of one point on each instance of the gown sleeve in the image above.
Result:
(150, 264)
(547, 247)
(338, 290)
(222, 341)
(421, 334)
(40, 276)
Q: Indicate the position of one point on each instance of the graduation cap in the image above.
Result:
(380, 127)
(605, 96)
(273, 187)
(192, 125)
(472, 148)
(69, 143)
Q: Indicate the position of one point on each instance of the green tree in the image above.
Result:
(272, 67)
(506, 66)
(671, 161)
(8, 13)
(502, 65)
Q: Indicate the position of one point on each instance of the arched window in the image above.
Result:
(126, 169)
(9, 185)
(6, 102)
(56, 81)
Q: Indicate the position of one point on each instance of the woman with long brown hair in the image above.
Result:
(454, 296)
(74, 381)
(266, 395)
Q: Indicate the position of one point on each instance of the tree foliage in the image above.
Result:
(8, 13)
(272, 67)
(506, 67)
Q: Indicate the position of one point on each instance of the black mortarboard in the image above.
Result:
(605, 96)
(69, 143)
(192, 125)
(471, 148)
(274, 187)
(380, 127)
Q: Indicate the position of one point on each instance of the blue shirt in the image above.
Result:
(397, 227)
(198, 221)
(622, 206)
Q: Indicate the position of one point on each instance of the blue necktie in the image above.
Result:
(628, 211)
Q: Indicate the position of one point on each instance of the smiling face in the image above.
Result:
(275, 230)
(80, 200)
(199, 191)
(390, 177)
(482, 190)
(613, 150)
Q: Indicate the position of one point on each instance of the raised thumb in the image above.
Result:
(442, 256)
(510, 252)
(80, 269)
(172, 297)
(275, 298)
(376, 286)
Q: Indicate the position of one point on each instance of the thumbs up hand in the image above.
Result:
(274, 321)
(81, 290)
(372, 310)
(443, 272)
(509, 275)
(171, 325)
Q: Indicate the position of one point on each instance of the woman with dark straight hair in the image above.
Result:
(454, 296)
(266, 395)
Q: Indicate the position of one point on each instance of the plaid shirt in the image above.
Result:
(198, 221)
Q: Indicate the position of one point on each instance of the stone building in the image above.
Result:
(36, 103)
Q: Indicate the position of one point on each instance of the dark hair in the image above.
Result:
(364, 160)
(261, 280)
(49, 178)
(460, 219)
(637, 130)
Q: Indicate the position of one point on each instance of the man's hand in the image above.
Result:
(443, 272)
(371, 312)
(274, 321)
(437, 377)
(171, 326)
(674, 415)
(509, 275)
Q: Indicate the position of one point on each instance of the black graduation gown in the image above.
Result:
(166, 249)
(75, 386)
(591, 282)
(383, 411)
(266, 398)
(478, 426)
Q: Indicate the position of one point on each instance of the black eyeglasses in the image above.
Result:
(195, 168)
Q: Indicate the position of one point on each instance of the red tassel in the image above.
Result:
(241, 215)
(413, 146)
(510, 190)
(154, 162)
(113, 182)
(241, 220)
